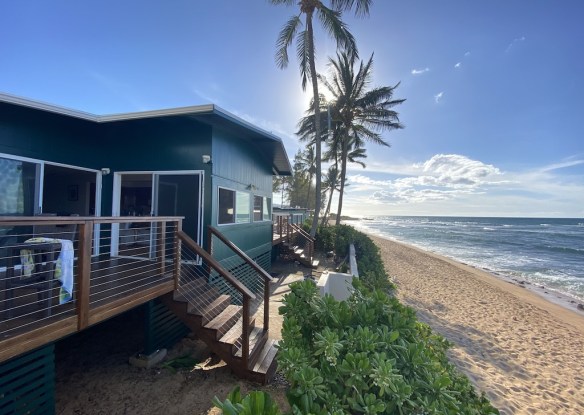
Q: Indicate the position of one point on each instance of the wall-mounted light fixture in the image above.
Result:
(251, 187)
(207, 159)
(105, 171)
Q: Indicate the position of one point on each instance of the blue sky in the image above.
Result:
(494, 88)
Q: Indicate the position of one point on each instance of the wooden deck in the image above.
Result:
(103, 285)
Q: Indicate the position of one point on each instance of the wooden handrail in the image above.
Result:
(302, 231)
(215, 265)
(61, 220)
(241, 254)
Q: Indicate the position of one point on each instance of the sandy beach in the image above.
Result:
(524, 352)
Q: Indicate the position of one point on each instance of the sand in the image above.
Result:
(93, 376)
(525, 352)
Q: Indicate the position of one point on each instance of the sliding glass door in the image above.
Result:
(166, 193)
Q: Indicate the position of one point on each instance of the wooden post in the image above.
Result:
(84, 273)
(177, 254)
(161, 246)
(266, 304)
(245, 332)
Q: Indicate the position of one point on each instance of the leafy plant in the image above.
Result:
(181, 362)
(366, 355)
(255, 403)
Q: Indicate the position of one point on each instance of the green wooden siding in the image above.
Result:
(27, 383)
(163, 327)
(150, 144)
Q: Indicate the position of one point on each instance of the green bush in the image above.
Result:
(367, 355)
(371, 269)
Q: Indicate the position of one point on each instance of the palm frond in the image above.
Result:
(285, 40)
(302, 52)
(361, 6)
(337, 29)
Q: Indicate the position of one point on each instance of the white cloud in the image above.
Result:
(458, 64)
(438, 96)
(453, 184)
(514, 42)
(561, 165)
(420, 71)
(467, 53)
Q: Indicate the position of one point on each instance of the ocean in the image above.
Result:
(543, 252)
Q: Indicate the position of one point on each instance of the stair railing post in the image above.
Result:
(245, 333)
(266, 304)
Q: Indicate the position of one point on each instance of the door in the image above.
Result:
(168, 193)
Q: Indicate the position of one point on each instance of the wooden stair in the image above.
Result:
(298, 254)
(217, 322)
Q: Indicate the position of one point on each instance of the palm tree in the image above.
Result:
(308, 163)
(360, 114)
(330, 19)
(330, 183)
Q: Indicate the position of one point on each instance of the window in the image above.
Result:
(226, 206)
(267, 208)
(261, 208)
(18, 187)
(242, 207)
(258, 207)
(233, 207)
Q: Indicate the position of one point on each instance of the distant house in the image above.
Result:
(137, 190)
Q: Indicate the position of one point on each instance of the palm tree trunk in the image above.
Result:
(308, 193)
(328, 207)
(317, 200)
(344, 153)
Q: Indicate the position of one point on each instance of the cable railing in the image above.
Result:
(62, 274)
(247, 271)
(221, 300)
(303, 240)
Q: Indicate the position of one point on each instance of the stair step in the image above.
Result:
(256, 338)
(195, 285)
(315, 263)
(266, 363)
(225, 320)
(233, 336)
(209, 308)
(299, 251)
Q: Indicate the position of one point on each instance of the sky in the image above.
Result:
(493, 111)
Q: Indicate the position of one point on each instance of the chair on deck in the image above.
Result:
(38, 274)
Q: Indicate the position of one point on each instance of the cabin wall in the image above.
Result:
(155, 144)
(238, 165)
(43, 135)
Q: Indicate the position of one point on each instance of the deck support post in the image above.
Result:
(84, 273)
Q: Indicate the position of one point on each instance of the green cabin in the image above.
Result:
(168, 209)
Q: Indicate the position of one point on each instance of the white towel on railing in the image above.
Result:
(63, 266)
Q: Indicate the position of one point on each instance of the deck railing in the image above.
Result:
(59, 275)
(304, 240)
(208, 285)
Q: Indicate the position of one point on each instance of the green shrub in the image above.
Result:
(367, 355)
(255, 403)
(371, 269)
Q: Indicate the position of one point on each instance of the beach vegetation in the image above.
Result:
(371, 269)
(369, 354)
